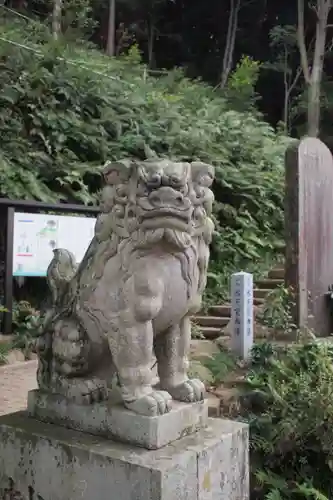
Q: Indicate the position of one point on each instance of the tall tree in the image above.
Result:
(313, 70)
(283, 43)
(111, 41)
(145, 16)
(56, 18)
(230, 41)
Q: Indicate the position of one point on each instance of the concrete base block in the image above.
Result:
(113, 421)
(40, 461)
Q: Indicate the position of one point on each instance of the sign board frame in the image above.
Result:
(37, 235)
(10, 206)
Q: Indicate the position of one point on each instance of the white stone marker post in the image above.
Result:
(242, 314)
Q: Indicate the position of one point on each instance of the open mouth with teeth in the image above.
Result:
(168, 213)
(166, 218)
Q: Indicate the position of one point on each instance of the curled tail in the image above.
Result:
(60, 273)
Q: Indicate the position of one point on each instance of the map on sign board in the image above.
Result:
(37, 235)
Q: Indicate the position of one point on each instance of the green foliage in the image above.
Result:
(289, 406)
(282, 37)
(262, 354)
(277, 311)
(218, 277)
(76, 19)
(196, 331)
(26, 326)
(63, 116)
(242, 82)
(220, 365)
(5, 348)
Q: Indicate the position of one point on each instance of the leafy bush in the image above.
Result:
(5, 348)
(220, 365)
(26, 325)
(66, 109)
(276, 313)
(289, 396)
(242, 82)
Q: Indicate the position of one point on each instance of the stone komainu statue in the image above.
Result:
(132, 296)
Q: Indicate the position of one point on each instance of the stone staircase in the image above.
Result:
(213, 324)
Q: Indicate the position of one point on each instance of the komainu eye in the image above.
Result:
(175, 182)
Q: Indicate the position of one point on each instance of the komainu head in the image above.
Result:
(158, 199)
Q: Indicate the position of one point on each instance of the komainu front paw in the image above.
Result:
(190, 391)
(151, 405)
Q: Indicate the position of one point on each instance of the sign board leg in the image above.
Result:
(8, 284)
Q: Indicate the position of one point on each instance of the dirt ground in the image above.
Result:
(16, 381)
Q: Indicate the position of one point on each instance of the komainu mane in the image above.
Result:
(132, 296)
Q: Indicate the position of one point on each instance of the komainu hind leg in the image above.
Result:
(171, 350)
(83, 391)
(71, 366)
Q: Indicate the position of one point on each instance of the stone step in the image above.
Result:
(269, 283)
(277, 273)
(261, 293)
(219, 315)
(217, 321)
(224, 311)
(211, 332)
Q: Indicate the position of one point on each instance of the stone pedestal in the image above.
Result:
(40, 461)
(111, 420)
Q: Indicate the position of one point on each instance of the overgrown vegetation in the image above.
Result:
(276, 313)
(65, 109)
(26, 325)
(285, 394)
(290, 411)
(5, 348)
(220, 365)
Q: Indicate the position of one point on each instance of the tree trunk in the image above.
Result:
(286, 82)
(313, 115)
(286, 111)
(230, 41)
(151, 40)
(56, 18)
(110, 48)
(314, 87)
(313, 77)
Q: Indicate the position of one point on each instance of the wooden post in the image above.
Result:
(309, 232)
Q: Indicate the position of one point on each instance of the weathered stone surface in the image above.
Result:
(214, 406)
(53, 463)
(134, 292)
(309, 232)
(223, 471)
(113, 421)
